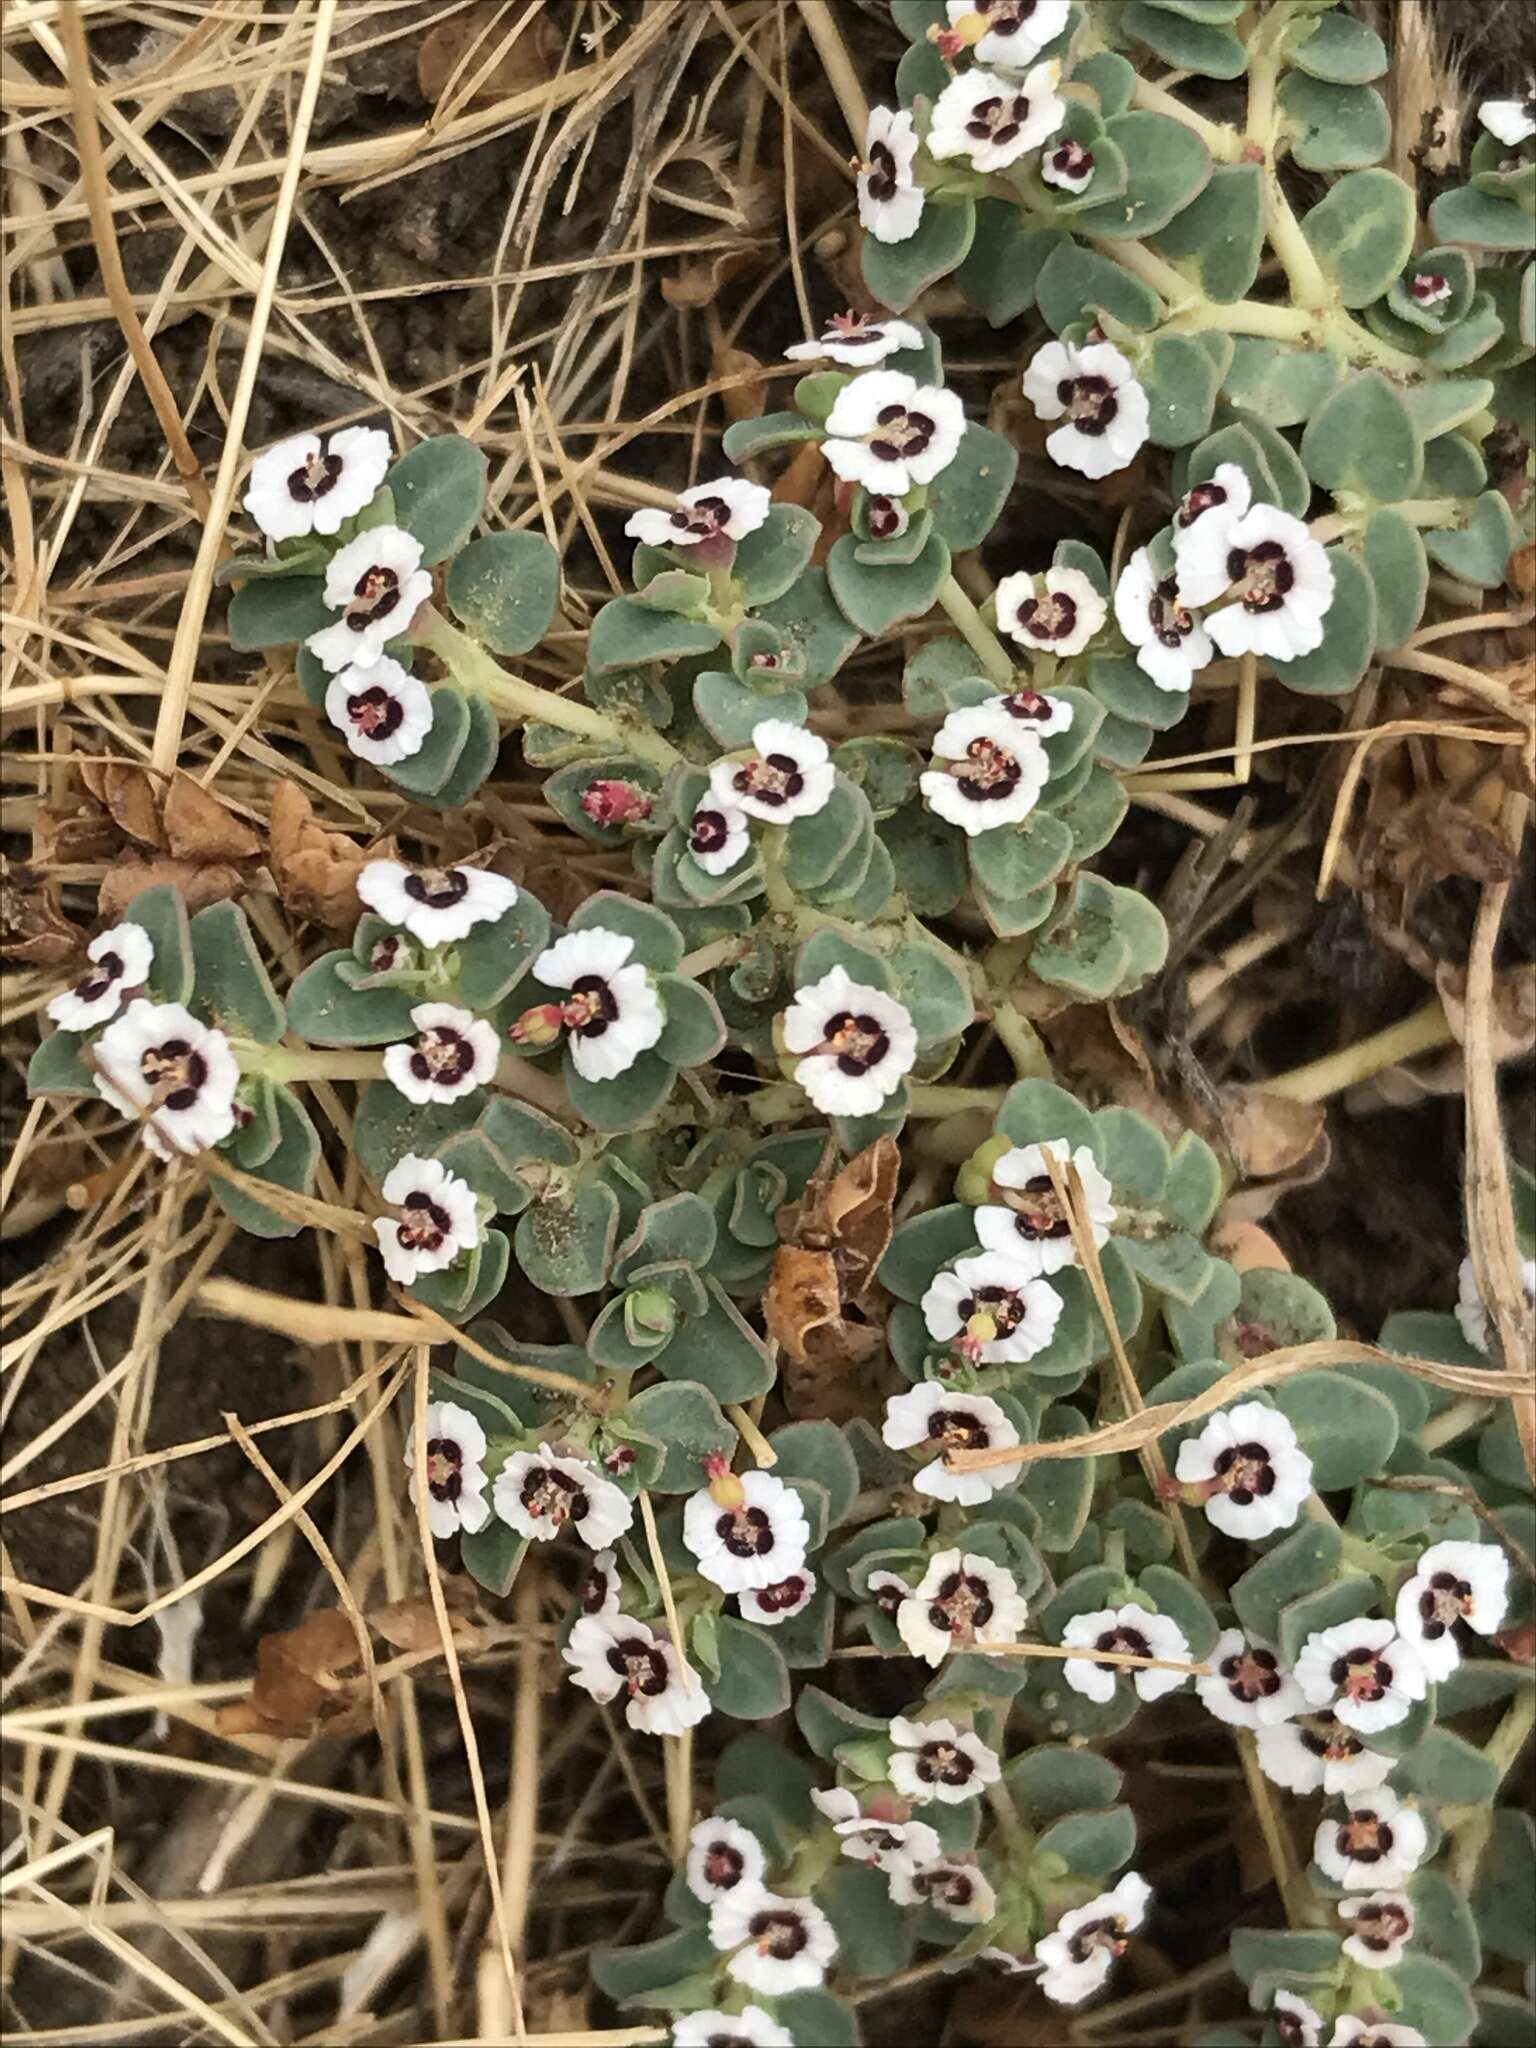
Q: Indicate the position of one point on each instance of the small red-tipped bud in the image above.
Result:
(619, 1459)
(539, 1026)
(615, 803)
(725, 1489)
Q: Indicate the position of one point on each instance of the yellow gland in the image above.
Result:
(982, 1326)
(970, 29)
(727, 1491)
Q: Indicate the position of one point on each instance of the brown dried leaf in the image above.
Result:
(412, 1624)
(456, 50)
(33, 927)
(199, 827)
(1271, 1134)
(130, 797)
(316, 870)
(1514, 1009)
(1521, 575)
(308, 1682)
(699, 282)
(76, 831)
(820, 1304)
(1247, 1248)
(849, 1213)
(200, 882)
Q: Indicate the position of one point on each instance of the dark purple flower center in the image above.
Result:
(591, 1006)
(374, 596)
(1203, 498)
(1037, 1209)
(1091, 403)
(962, 1604)
(778, 1933)
(553, 1496)
(882, 174)
(1003, 1305)
(746, 1532)
(641, 1665)
(1053, 617)
(779, 1599)
(1109, 1933)
(1245, 1473)
(1264, 574)
(437, 888)
(445, 1468)
(175, 1072)
(772, 778)
(1251, 1674)
(723, 1866)
(989, 773)
(424, 1225)
(998, 120)
(443, 1056)
(312, 479)
(856, 1042)
(902, 434)
(709, 832)
(94, 984)
(376, 712)
(941, 1763)
(1122, 1642)
(1362, 1674)
(1072, 164)
(1444, 1601)
(1364, 1837)
(1169, 621)
(704, 517)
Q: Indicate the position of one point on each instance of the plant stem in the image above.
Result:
(1030, 1059)
(781, 896)
(1502, 1749)
(284, 1063)
(780, 1101)
(1422, 1032)
(1454, 1421)
(976, 633)
(718, 953)
(1224, 143)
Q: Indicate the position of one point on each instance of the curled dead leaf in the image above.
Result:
(309, 1681)
(699, 282)
(412, 1624)
(316, 870)
(488, 39)
(1521, 575)
(1513, 1008)
(199, 827)
(33, 927)
(200, 882)
(821, 1305)
(129, 796)
(1247, 1248)
(1271, 1134)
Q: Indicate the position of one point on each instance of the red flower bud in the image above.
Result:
(615, 803)
(539, 1026)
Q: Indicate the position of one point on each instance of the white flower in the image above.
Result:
(1246, 1686)
(857, 338)
(956, 1889)
(857, 1043)
(723, 1854)
(929, 1414)
(727, 510)
(992, 121)
(455, 1472)
(937, 1760)
(1248, 1466)
(897, 1847)
(789, 774)
(1364, 1671)
(296, 487)
(1318, 1754)
(1278, 578)
(887, 1590)
(887, 518)
(1070, 166)
(1077, 1955)
(1452, 1582)
(537, 1493)
(438, 906)
(1379, 1843)
(1298, 2024)
(384, 712)
(1215, 508)
(888, 432)
(1062, 621)
(1171, 645)
(613, 1013)
(779, 1944)
(610, 1653)
(599, 1588)
(439, 1218)
(890, 199)
(1471, 1311)
(962, 1602)
(1350, 2031)
(993, 771)
(378, 585)
(453, 1053)
(758, 1541)
(718, 837)
(1029, 1226)
(1511, 121)
(1095, 390)
(770, 1605)
(158, 1057)
(122, 959)
(1000, 1313)
(1129, 1632)
(1429, 288)
(1381, 1928)
(1013, 32)
(1036, 711)
(749, 2028)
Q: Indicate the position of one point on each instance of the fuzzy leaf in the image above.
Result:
(233, 988)
(439, 489)
(1363, 438)
(1394, 559)
(1361, 232)
(1218, 239)
(1000, 273)
(505, 587)
(769, 561)
(897, 272)
(564, 1247)
(1334, 127)
(874, 599)
(1167, 166)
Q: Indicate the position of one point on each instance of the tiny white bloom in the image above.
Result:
(455, 1450)
(611, 1653)
(1471, 1310)
(1381, 1927)
(1510, 121)
(788, 775)
(1061, 621)
(1319, 1754)
(121, 960)
(297, 486)
(1078, 1953)
(537, 1493)
(1016, 31)
(1350, 2031)
(718, 837)
(890, 199)
(1298, 2024)
(992, 121)
(723, 1854)
(888, 432)
(599, 1588)
(930, 1414)
(887, 1590)
(993, 768)
(1028, 1226)
(1069, 166)
(377, 584)
(1036, 711)
(952, 1887)
(776, 1945)
(438, 906)
(157, 1056)
(727, 510)
(613, 1012)
(1452, 1582)
(1429, 288)
(453, 1053)
(1205, 516)
(857, 338)
(994, 1308)
(1128, 1632)
(1378, 1844)
(758, 1542)
(1364, 1671)
(963, 1602)
(384, 712)
(1277, 579)
(896, 1847)
(1171, 645)
(886, 517)
(771, 1605)
(438, 1218)
(1247, 1463)
(1095, 390)
(937, 1760)
(1246, 1686)
(857, 1043)
(749, 2028)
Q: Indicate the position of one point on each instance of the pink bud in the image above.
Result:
(539, 1026)
(615, 803)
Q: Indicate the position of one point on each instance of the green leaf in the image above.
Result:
(1278, 384)
(1363, 438)
(922, 1244)
(1075, 284)
(815, 846)
(564, 1246)
(1334, 127)
(1442, 1766)
(743, 439)
(1448, 403)
(1194, 1186)
(1183, 1605)
(1435, 2000)
(1398, 567)
(462, 1292)
(658, 944)
(1218, 239)
(425, 772)
(327, 1010)
(1181, 381)
(492, 1556)
(686, 1419)
(622, 1104)
(694, 1031)
(720, 1351)
(1125, 689)
(1167, 165)
(56, 1068)
(1361, 232)
(626, 632)
(1175, 1263)
(1346, 1428)
(1094, 815)
(439, 489)
(1060, 1490)
(969, 492)
(1018, 859)
(1080, 948)
(628, 1974)
(1349, 635)
(1300, 1564)
(769, 560)
(809, 618)
(1277, 1309)
(1092, 1844)
(1501, 1895)
(817, 2016)
(1000, 273)
(162, 912)
(929, 859)
(1480, 220)
(873, 1940)
(754, 1682)
(877, 598)
(276, 614)
(818, 1451)
(1277, 1951)
(933, 989)
(233, 988)
(1478, 552)
(289, 1164)
(1049, 1781)
(828, 1725)
(1336, 47)
(505, 587)
(1204, 47)
(898, 272)
(1345, 1599)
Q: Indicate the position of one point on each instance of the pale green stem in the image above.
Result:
(1502, 1749)
(718, 953)
(1310, 288)
(976, 633)
(1454, 1421)
(284, 1063)
(781, 896)
(1428, 511)
(781, 1100)
(1224, 143)
(1315, 1082)
(1031, 1062)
